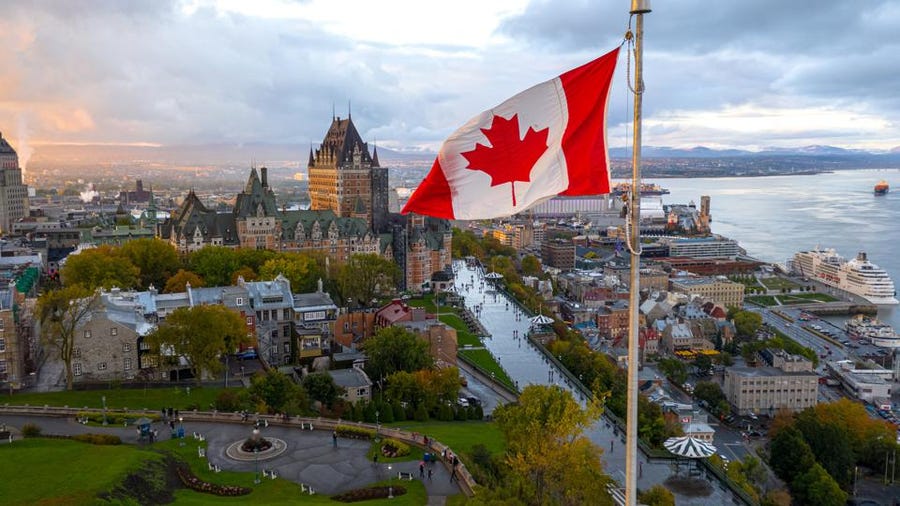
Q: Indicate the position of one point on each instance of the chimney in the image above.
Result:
(264, 172)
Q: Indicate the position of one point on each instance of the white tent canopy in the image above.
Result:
(541, 320)
(689, 447)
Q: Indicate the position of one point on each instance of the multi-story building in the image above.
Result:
(345, 178)
(717, 289)
(704, 247)
(12, 350)
(559, 253)
(13, 193)
(765, 390)
(349, 215)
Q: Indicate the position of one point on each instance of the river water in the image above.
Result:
(774, 217)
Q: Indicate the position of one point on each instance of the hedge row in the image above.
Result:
(114, 417)
(191, 481)
(351, 432)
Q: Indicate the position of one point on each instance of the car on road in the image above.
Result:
(752, 416)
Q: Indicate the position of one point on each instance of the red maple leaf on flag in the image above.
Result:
(508, 159)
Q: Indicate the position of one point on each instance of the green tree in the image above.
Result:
(300, 269)
(201, 334)
(551, 459)
(746, 323)
(703, 363)
(365, 277)
(830, 443)
(674, 369)
(321, 387)
(394, 349)
(710, 392)
(275, 392)
(816, 487)
(531, 266)
(214, 264)
(155, 259)
(790, 454)
(178, 282)
(100, 267)
(657, 495)
(61, 313)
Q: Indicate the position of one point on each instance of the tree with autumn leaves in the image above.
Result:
(551, 459)
(61, 313)
(200, 334)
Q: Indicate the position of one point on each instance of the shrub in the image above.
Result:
(351, 432)
(421, 414)
(229, 400)
(392, 448)
(98, 439)
(31, 430)
(194, 483)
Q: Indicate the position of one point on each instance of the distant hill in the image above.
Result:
(296, 155)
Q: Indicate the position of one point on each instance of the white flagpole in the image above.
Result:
(638, 9)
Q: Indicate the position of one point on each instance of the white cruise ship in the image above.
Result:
(858, 276)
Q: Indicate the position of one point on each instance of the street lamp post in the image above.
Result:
(390, 483)
(256, 464)
(103, 398)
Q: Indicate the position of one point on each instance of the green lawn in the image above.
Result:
(460, 436)
(153, 399)
(762, 300)
(486, 361)
(55, 471)
(778, 284)
(802, 298)
(69, 472)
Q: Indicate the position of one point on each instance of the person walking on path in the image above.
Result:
(430, 473)
(334, 438)
(421, 469)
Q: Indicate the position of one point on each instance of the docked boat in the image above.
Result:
(647, 189)
(871, 330)
(858, 276)
(882, 187)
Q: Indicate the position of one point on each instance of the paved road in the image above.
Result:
(526, 365)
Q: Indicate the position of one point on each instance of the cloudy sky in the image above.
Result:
(745, 74)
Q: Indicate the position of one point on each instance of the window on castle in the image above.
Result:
(76, 368)
(113, 331)
(126, 347)
(128, 364)
(2, 344)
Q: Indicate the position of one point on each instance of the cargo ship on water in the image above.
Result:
(868, 329)
(858, 276)
(882, 187)
(647, 189)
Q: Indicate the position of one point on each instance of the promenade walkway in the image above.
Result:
(527, 365)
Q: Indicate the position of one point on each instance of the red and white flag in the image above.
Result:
(548, 140)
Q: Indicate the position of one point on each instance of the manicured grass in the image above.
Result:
(415, 453)
(762, 300)
(153, 399)
(799, 298)
(778, 284)
(460, 436)
(488, 363)
(53, 471)
(463, 336)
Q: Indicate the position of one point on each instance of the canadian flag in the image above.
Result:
(548, 140)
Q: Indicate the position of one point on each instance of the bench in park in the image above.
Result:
(304, 488)
(201, 452)
(306, 426)
(213, 467)
(270, 473)
(405, 476)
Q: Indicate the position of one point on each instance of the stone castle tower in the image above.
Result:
(346, 179)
